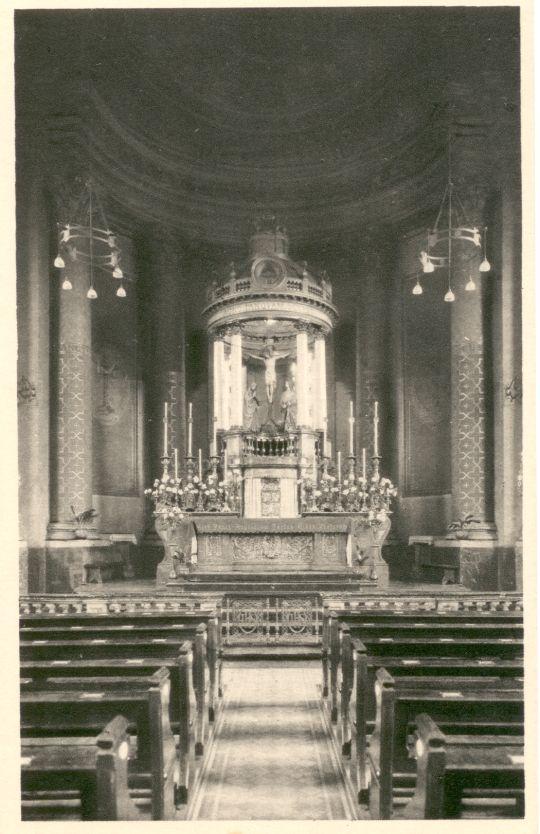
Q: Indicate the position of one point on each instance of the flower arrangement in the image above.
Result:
(174, 497)
(351, 495)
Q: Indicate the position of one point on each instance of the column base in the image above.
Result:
(61, 530)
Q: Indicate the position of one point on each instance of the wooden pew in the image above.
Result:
(449, 767)
(95, 770)
(151, 625)
(389, 621)
(145, 704)
(360, 662)
(82, 674)
(413, 640)
(132, 647)
(460, 707)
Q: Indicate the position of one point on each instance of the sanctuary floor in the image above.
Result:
(148, 586)
(271, 756)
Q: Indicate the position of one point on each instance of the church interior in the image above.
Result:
(269, 385)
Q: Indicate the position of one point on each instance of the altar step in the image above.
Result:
(264, 652)
(308, 583)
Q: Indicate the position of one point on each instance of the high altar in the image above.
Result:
(257, 507)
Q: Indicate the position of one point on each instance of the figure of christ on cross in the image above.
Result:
(269, 357)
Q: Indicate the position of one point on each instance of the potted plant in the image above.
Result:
(461, 528)
(83, 521)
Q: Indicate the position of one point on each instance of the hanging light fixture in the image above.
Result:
(417, 289)
(88, 239)
(458, 228)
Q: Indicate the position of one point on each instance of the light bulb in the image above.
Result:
(117, 272)
(59, 262)
(449, 297)
(120, 292)
(470, 286)
(417, 289)
(91, 293)
(428, 267)
(485, 266)
(66, 284)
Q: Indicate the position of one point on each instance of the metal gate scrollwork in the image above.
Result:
(272, 620)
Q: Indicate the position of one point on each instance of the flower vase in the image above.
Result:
(177, 537)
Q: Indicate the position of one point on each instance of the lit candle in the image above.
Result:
(339, 466)
(190, 431)
(364, 464)
(351, 429)
(165, 429)
(200, 464)
(376, 430)
(176, 463)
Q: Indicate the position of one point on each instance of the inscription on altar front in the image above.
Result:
(273, 548)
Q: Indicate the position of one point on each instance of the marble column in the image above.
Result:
(33, 281)
(302, 396)
(319, 402)
(167, 370)
(372, 337)
(226, 391)
(237, 394)
(218, 362)
(71, 436)
(471, 482)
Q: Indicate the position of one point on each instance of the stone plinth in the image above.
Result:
(69, 565)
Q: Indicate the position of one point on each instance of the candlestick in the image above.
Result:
(190, 431)
(165, 429)
(214, 439)
(176, 464)
(339, 466)
(364, 465)
(225, 464)
(376, 429)
(325, 426)
(351, 429)
(200, 464)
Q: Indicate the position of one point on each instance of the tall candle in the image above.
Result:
(165, 429)
(364, 464)
(351, 429)
(376, 430)
(200, 464)
(190, 431)
(339, 466)
(176, 463)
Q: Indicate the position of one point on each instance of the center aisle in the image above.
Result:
(271, 758)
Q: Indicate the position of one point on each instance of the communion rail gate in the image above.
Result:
(272, 619)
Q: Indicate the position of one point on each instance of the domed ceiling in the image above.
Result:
(199, 120)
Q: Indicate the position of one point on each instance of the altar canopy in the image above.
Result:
(268, 325)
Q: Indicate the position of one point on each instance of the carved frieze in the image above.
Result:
(273, 548)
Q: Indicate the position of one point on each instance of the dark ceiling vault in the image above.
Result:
(197, 120)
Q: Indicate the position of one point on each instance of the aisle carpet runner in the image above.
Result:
(272, 758)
